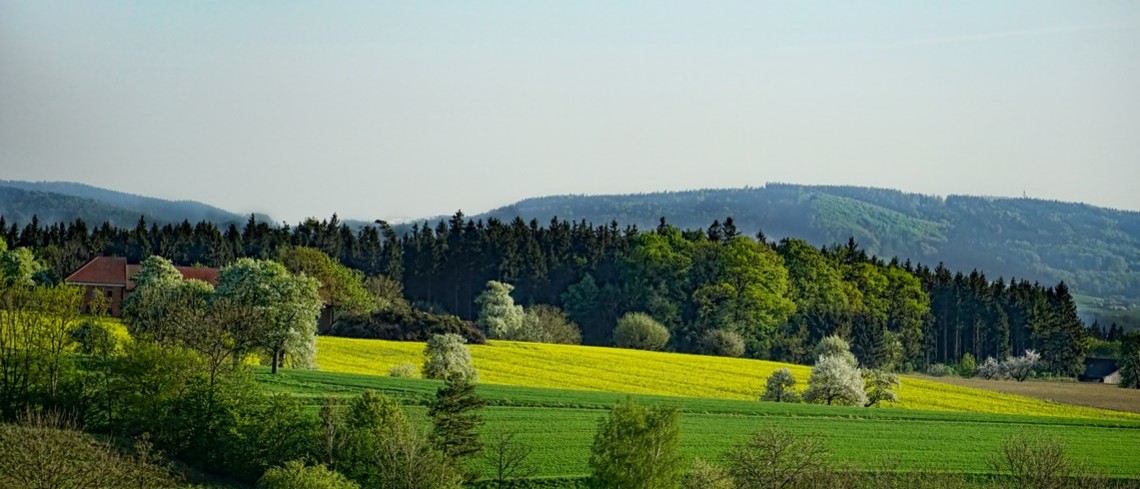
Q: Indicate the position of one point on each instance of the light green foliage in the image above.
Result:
(156, 270)
(823, 303)
(402, 370)
(968, 367)
(775, 458)
(548, 324)
(639, 330)
(339, 286)
(271, 309)
(781, 387)
(722, 343)
(636, 447)
(36, 326)
(168, 311)
(3, 245)
(296, 475)
(656, 273)
(499, 317)
(907, 307)
(446, 356)
(1130, 360)
(834, 380)
(834, 346)
(388, 294)
(20, 266)
(880, 386)
(704, 475)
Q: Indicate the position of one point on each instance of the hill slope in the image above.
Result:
(1095, 250)
(657, 373)
(65, 201)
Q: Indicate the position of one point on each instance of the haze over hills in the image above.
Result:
(53, 202)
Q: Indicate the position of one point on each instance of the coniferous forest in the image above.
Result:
(780, 297)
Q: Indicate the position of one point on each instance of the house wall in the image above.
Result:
(1113, 378)
(114, 298)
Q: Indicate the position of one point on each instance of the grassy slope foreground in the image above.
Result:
(559, 425)
(668, 374)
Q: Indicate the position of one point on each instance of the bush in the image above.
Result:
(940, 370)
(295, 475)
(880, 386)
(780, 387)
(722, 343)
(548, 324)
(991, 369)
(968, 366)
(402, 370)
(705, 475)
(1035, 461)
(446, 356)
(639, 330)
(778, 458)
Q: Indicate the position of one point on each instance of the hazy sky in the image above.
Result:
(410, 109)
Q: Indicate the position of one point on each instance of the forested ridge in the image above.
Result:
(779, 297)
(1095, 250)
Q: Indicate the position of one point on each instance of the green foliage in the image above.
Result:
(780, 387)
(455, 417)
(1033, 461)
(704, 475)
(339, 286)
(636, 447)
(548, 324)
(296, 475)
(499, 317)
(834, 380)
(36, 327)
(722, 343)
(880, 386)
(402, 370)
(968, 366)
(93, 338)
(446, 356)
(20, 267)
(639, 330)
(1130, 360)
(940, 370)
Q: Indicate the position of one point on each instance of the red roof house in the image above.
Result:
(113, 276)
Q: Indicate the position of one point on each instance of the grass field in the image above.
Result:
(559, 425)
(668, 374)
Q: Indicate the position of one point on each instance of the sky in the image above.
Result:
(401, 110)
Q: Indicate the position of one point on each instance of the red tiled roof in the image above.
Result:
(103, 270)
(108, 270)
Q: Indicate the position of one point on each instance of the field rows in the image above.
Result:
(668, 374)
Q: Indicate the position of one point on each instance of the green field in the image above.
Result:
(560, 424)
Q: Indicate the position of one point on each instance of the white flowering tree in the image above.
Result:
(499, 317)
(1019, 368)
(834, 380)
(447, 356)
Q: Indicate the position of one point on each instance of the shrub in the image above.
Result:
(446, 356)
(548, 324)
(636, 448)
(990, 369)
(402, 370)
(723, 343)
(778, 458)
(940, 370)
(968, 366)
(834, 380)
(780, 387)
(404, 325)
(296, 475)
(1035, 461)
(705, 475)
(639, 330)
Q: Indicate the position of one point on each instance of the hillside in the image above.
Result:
(55, 202)
(668, 374)
(1096, 250)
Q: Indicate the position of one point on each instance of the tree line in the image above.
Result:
(780, 297)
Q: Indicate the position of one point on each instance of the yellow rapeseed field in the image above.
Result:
(658, 373)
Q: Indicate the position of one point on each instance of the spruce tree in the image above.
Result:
(456, 419)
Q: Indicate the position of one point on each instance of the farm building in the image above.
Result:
(1104, 370)
(113, 276)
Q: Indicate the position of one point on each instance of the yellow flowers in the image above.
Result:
(657, 373)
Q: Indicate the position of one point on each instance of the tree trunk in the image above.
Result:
(276, 354)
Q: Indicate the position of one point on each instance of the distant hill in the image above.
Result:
(66, 201)
(1095, 250)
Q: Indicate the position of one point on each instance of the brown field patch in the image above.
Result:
(1077, 393)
